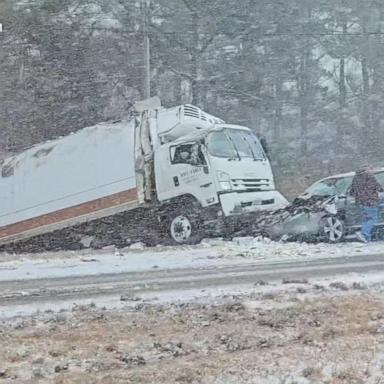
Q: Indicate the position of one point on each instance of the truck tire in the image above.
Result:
(184, 227)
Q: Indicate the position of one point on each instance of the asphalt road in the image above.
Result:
(30, 293)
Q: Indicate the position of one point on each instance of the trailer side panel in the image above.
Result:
(82, 176)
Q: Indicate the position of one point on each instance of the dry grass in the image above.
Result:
(197, 344)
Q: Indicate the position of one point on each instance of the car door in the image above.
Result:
(380, 179)
(353, 216)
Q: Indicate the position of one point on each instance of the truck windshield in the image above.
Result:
(219, 145)
(235, 143)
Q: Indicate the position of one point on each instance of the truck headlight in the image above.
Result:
(224, 180)
(223, 176)
(225, 185)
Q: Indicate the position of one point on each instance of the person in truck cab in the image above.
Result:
(189, 154)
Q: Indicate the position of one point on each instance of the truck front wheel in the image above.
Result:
(184, 228)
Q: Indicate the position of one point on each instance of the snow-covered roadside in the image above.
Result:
(262, 295)
(314, 329)
(211, 253)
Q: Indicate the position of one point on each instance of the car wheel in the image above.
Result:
(332, 229)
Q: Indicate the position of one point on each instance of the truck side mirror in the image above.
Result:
(264, 144)
(195, 161)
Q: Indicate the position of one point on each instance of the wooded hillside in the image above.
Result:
(306, 74)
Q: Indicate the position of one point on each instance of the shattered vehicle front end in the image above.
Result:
(325, 211)
(302, 220)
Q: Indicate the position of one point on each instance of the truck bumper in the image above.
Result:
(236, 203)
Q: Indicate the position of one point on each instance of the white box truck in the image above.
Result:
(184, 166)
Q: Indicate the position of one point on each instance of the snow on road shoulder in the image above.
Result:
(259, 249)
(210, 253)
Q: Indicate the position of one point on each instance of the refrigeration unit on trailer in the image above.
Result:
(185, 166)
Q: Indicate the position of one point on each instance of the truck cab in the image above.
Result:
(225, 165)
(212, 167)
(203, 169)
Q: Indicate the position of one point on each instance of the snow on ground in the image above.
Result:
(316, 331)
(296, 334)
(210, 253)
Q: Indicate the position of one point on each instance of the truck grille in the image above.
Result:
(251, 184)
(261, 202)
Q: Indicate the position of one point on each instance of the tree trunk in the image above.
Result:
(342, 82)
(304, 102)
(305, 88)
(195, 86)
(342, 87)
(341, 123)
(365, 98)
(278, 110)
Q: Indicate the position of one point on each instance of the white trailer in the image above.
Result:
(184, 164)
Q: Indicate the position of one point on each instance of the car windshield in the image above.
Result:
(330, 187)
(380, 178)
(235, 143)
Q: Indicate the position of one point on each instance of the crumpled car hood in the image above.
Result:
(301, 216)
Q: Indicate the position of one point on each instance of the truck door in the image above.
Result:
(189, 173)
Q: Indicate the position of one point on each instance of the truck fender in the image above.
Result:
(189, 202)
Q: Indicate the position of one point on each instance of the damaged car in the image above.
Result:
(324, 212)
